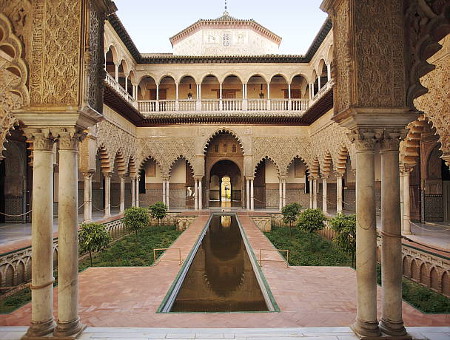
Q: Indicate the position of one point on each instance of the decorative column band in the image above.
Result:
(43, 285)
(387, 234)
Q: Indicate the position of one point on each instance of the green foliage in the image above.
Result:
(158, 211)
(11, 303)
(311, 220)
(345, 228)
(93, 237)
(127, 252)
(307, 249)
(290, 213)
(136, 218)
(424, 298)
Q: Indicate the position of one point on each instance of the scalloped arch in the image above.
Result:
(263, 159)
(219, 131)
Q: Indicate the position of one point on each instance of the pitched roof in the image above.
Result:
(225, 21)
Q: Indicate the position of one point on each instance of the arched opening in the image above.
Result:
(150, 183)
(257, 92)
(297, 182)
(210, 93)
(224, 157)
(187, 94)
(322, 73)
(15, 179)
(266, 185)
(434, 279)
(182, 186)
(167, 94)
(122, 75)
(279, 93)
(109, 60)
(231, 91)
(225, 185)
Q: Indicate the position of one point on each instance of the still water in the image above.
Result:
(221, 277)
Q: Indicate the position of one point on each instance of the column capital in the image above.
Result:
(198, 177)
(364, 139)
(42, 139)
(88, 174)
(250, 178)
(107, 174)
(406, 168)
(391, 139)
(69, 138)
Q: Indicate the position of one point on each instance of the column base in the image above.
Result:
(394, 328)
(69, 330)
(366, 330)
(39, 329)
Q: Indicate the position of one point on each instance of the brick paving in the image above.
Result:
(307, 296)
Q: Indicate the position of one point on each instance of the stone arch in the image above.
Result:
(415, 273)
(315, 168)
(111, 47)
(120, 163)
(424, 276)
(232, 74)
(263, 76)
(164, 76)
(132, 170)
(105, 160)
(263, 159)
(445, 284)
(406, 266)
(149, 158)
(179, 158)
(410, 147)
(341, 163)
(19, 276)
(9, 275)
(300, 158)
(223, 131)
(434, 279)
(327, 164)
(329, 56)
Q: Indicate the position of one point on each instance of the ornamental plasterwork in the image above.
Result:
(55, 55)
(166, 150)
(115, 139)
(281, 150)
(13, 77)
(330, 138)
(436, 103)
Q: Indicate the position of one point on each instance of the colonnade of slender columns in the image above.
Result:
(133, 191)
(198, 190)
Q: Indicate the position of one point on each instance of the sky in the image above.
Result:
(151, 23)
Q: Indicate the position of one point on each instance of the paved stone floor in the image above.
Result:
(305, 333)
(307, 297)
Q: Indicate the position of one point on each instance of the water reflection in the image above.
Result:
(221, 277)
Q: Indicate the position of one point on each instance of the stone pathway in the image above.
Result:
(307, 296)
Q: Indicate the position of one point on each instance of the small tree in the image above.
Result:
(311, 220)
(345, 228)
(93, 237)
(136, 218)
(290, 213)
(158, 211)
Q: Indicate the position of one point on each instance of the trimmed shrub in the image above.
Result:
(136, 218)
(158, 211)
(290, 213)
(93, 237)
(311, 220)
(345, 228)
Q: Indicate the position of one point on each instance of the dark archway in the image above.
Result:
(225, 185)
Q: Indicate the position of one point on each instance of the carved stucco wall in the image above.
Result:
(436, 103)
(13, 76)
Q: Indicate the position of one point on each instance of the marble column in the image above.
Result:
(133, 191)
(406, 201)
(107, 188)
(252, 195)
(136, 195)
(42, 322)
(391, 251)
(339, 198)
(325, 195)
(314, 203)
(122, 193)
(168, 194)
(195, 193)
(68, 320)
(88, 196)
(247, 193)
(200, 194)
(164, 191)
(280, 194)
(284, 192)
(366, 323)
(310, 183)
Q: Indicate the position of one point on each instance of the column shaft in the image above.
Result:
(325, 195)
(280, 194)
(339, 199)
(366, 239)
(314, 193)
(252, 197)
(391, 251)
(168, 194)
(88, 197)
(406, 205)
(133, 191)
(247, 193)
(42, 322)
(196, 194)
(200, 194)
(164, 192)
(107, 188)
(310, 183)
(122, 193)
(136, 188)
(68, 319)
(284, 192)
